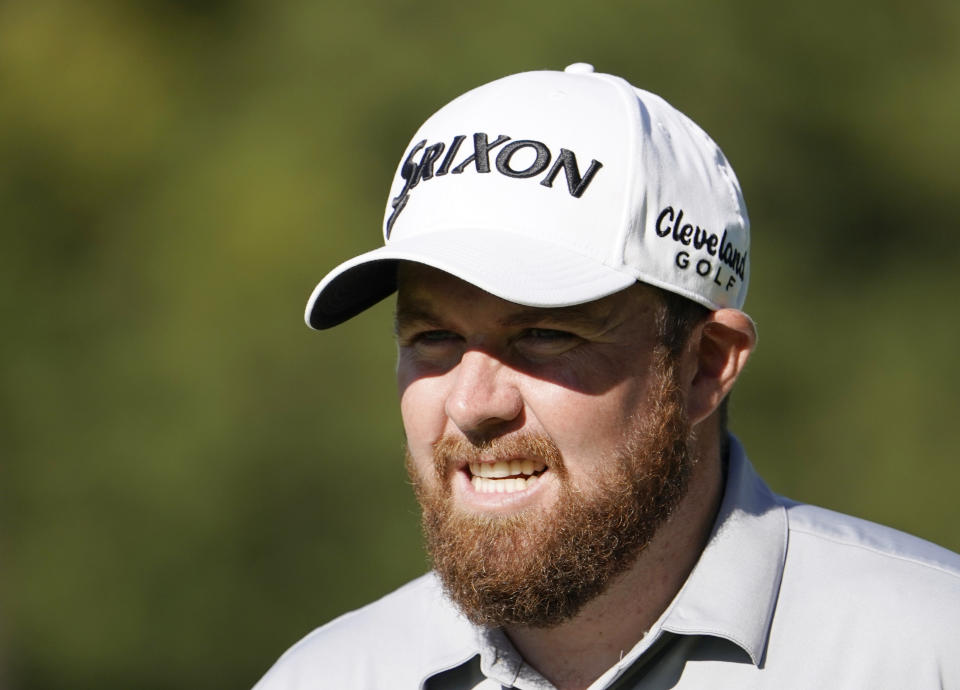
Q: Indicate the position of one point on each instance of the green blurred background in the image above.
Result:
(191, 480)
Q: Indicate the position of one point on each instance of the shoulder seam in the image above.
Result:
(881, 552)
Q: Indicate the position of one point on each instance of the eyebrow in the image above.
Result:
(576, 315)
(419, 312)
(416, 313)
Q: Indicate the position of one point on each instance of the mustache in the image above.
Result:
(453, 452)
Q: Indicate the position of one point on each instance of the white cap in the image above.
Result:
(550, 189)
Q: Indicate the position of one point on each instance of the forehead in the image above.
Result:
(424, 292)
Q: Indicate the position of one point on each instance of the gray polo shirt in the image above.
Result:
(784, 595)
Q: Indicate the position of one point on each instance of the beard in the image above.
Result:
(538, 568)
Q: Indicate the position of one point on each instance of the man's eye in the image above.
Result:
(547, 334)
(435, 336)
(546, 341)
(433, 342)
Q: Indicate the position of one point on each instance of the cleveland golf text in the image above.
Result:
(670, 225)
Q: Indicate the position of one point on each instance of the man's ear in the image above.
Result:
(721, 345)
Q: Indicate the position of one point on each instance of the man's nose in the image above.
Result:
(484, 394)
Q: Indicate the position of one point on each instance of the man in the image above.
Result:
(571, 256)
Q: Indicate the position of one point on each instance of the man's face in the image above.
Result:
(546, 445)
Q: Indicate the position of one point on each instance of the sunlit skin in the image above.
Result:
(474, 366)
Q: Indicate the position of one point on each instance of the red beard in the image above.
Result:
(538, 568)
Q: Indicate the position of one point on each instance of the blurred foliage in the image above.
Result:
(191, 479)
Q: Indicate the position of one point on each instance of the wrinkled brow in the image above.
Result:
(414, 313)
(584, 316)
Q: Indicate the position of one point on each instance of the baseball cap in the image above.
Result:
(550, 189)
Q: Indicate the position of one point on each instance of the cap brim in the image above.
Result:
(513, 267)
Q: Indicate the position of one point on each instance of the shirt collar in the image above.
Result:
(501, 661)
(449, 639)
(732, 591)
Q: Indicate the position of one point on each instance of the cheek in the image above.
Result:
(589, 428)
(421, 407)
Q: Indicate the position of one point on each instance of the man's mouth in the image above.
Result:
(505, 477)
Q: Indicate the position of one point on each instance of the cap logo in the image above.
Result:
(670, 226)
(415, 171)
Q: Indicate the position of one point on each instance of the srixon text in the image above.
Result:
(441, 159)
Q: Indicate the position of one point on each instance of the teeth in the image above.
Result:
(488, 485)
(502, 477)
(502, 469)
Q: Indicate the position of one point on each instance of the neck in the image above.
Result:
(575, 653)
